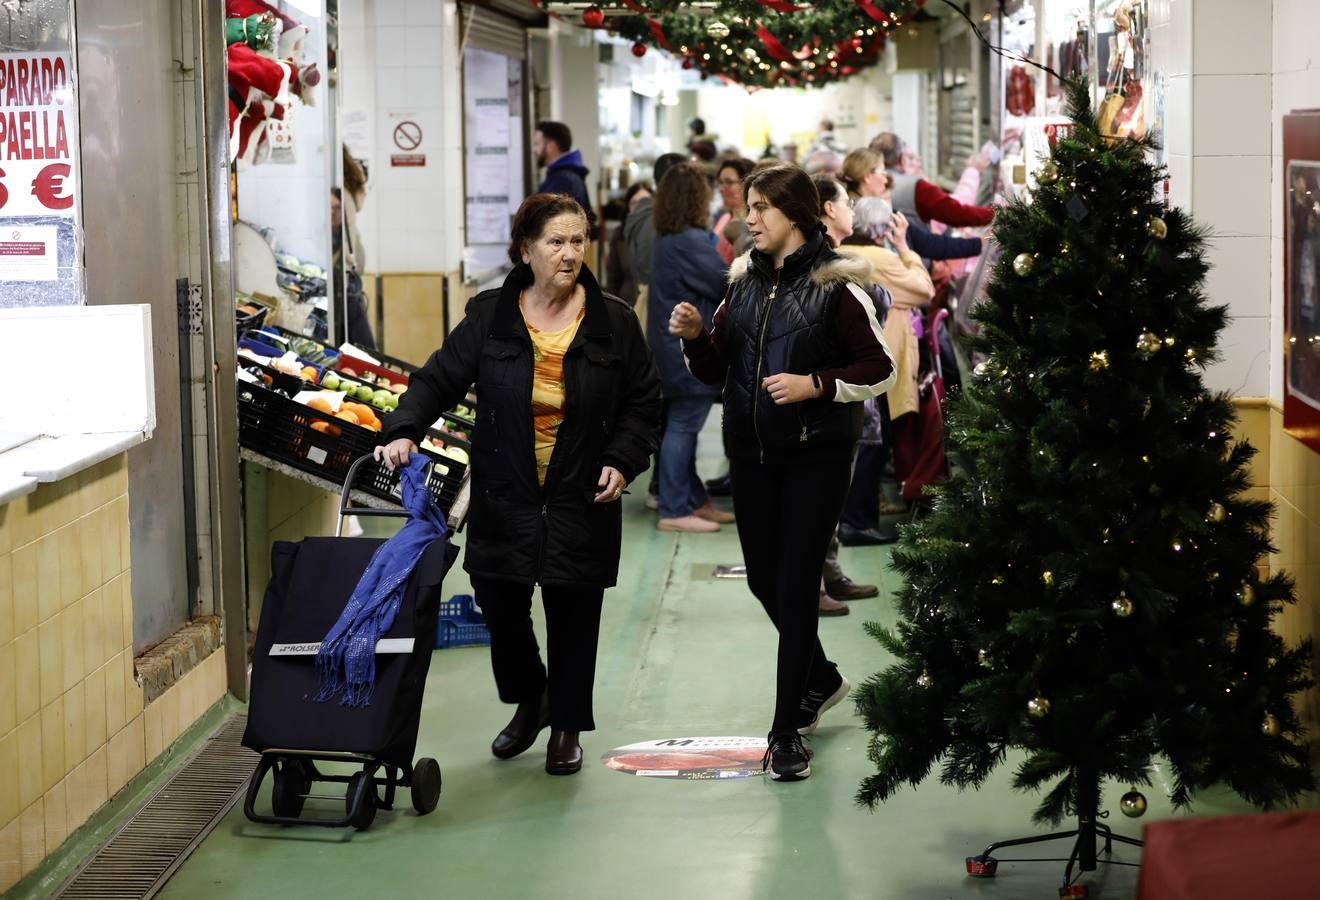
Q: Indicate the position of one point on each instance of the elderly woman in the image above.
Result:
(568, 413)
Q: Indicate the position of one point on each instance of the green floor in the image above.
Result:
(680, 655)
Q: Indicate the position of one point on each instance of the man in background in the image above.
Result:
(918, 198)
(552, 145)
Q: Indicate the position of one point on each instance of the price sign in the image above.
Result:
(38, 135)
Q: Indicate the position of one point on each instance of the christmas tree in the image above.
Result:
(1087, 589)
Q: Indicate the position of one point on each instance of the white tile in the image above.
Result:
(1231, 115)
(1276, 319)
(426, 250)
(1179, 61)
(1277, 187)
(1230, 194)
(1296, 34)
(426, 87)
(352, 15)
(391, 91)
(425, 12)
(1180, 181)
(425, 45)
(391, 46)
(392, 250)
(391, 12)
(1232, 37)
(1178, 115)
(1240, 274)
(1244, 369)
(1296, 90)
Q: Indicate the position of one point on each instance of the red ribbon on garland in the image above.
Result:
(636, 7)
(874, 12)
(784, 6)
(658, 33)
(772, 46)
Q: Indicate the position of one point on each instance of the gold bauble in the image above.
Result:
(1038, 707)
(1157, 228)
(980, 368)
(1133, 804)
(1099, 360)
(1271, 726)
(1048, 174)
(1148, 343)
(1217, 513)
(1023, 264)
(1246, 595)
(717, 30)
(924, 679)
(1122, 605)
(1047, 578)
(997, 580)
(983, 657)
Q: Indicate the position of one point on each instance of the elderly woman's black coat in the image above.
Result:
(518, 530)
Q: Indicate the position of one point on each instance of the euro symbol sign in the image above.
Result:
(50, 183)
(4, 191)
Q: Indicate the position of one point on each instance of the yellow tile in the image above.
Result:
(11, 853)
(32, 833)
(9, 513)
(29, 761)
(89, 559)
(92, 612)
(71, 565)
(57, 820)
(75, 726)
(112, 619)
(6, 597)
(50, 590)
(8, 688)
(126, 610)
(9, 806)
(152, 735)
(27, 674)
(77, 803)
(52, 745)
(71, 626)
(169, 714)
(121, 526)
(132, 690)
(26, 610)
(114, 696)
(94, 711)
(97, 779)
(50, 638)
(127, 754)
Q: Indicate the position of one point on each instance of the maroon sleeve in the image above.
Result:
(935, 205)
(706, 353)
(869, 364)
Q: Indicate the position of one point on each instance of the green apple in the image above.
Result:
(381, 398)
(330, 382)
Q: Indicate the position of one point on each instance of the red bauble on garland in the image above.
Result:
(639, 49)
(688, 62)
(593, 17)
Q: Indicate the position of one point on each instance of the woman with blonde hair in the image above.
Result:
(864, 173)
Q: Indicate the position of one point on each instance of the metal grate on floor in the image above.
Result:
(141, 856)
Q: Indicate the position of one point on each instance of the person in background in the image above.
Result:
(620, 277)
(826, 140)
(918, 198)
(346, 281)
(731, 237)
(823, 162)
(552, 145)
(701, 146)
(686, 268)
(797, 345)
(639, 230)
(568, 413)
(864, 173)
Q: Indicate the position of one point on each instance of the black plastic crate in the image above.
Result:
(375, 479)
(276, 426)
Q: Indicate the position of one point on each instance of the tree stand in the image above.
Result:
(1083, 855)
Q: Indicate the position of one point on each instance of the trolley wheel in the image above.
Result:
(425, 785)
(292, 781)
(982, 866)
(366, 813)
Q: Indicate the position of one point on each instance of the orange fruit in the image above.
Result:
(364, 413)
(309, 374)
(348, 417)
(326, 428)
(320, 403)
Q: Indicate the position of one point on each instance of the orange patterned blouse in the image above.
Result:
(548, 349)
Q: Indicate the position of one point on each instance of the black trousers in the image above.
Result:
(787, 514)
(572, 619)
(862, 509)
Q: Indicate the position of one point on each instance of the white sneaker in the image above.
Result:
(652, 502)
(813, 706)
(694, 524)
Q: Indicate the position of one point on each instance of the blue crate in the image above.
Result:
(461, 624)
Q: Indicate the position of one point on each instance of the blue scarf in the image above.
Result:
(347, 658)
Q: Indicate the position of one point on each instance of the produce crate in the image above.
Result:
(461, 624)
(305, 346)
(248, 321)
(361, 365)
(379, 481)
(274, 425)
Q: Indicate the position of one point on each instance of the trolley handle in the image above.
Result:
(344, 499)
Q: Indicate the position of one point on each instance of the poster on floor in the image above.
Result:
(690, 758)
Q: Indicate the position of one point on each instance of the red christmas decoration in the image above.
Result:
(593, 17)
(688, 62)
(639, 49)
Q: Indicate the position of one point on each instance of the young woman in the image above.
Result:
(797, 345)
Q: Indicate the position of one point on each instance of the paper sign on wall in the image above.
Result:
(29, 254)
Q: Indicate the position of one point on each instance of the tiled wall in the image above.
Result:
(73, 730)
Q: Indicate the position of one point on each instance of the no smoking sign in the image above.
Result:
(408, 139)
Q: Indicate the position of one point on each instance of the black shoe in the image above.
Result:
(720, 487)
(866, 537)
(815, 704)
(787, 758)
(563, 756)
(527, 723)
(847, 589)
